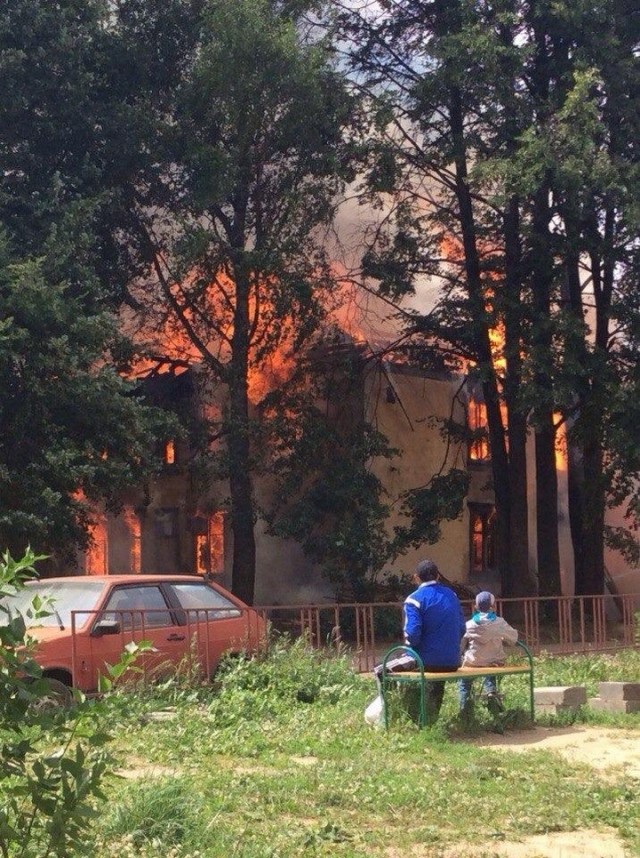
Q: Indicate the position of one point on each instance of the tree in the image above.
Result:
(73, 432)
(70, 130)
(325, 495)
(497, 143)
(248, 162)
(596, 190)
(51, 778)
(442, 78)
(579, 153)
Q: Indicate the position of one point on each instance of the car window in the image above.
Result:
(125, 605)
(59, 599)
(198, 597)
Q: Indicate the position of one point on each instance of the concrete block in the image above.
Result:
(619, 690)
(560, 695)
(602, 704)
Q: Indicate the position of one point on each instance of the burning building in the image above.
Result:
(178, 521)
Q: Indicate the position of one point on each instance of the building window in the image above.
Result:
(479, 443)
(482, 536)
(208, 538)
(170, 452)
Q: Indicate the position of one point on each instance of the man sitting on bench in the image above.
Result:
(433, 627)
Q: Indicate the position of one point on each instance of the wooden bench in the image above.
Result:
(421, 677)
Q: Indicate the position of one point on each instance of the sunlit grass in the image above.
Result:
(259, 770)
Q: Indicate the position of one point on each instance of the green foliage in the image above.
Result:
(327, 496)
(51, 765)
(587, 670)
(70, 424)
(50, 117)
(289, 674)
(293, 779)
(427, 507)
(329, 499)
(18, 669)
(325, 462)
(152, 818)
(73, 431)
(125, 667)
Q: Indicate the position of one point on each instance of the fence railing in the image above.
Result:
(562, 624)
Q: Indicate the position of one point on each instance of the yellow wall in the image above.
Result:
(408, 423)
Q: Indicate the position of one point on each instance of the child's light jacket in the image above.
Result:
(483, 640)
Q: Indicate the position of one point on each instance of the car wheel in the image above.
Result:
(57, 696)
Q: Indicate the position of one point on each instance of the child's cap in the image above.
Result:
(485, 601)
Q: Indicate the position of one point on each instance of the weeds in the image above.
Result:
(160, 812)
(276, 761)
(290, 673)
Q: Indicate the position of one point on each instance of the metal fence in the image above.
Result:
(560, 625)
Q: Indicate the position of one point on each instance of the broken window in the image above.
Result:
(479, 443)
(483, 543)
(208, 538)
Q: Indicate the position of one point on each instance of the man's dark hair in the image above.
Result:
(426, 570)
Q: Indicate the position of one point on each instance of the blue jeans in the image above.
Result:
(489, 685)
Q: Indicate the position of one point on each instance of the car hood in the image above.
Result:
(41, 634)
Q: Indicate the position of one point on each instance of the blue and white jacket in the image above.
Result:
(434, 624)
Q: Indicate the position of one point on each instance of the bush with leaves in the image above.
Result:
(52, 761)
(290, 673)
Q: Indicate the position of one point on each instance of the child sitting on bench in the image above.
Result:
(482, 646)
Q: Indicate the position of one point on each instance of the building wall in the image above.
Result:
(172, 525)
(406, 405)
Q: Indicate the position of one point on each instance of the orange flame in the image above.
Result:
(132, 522)
(96, 555)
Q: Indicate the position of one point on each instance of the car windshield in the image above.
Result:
(59, 599)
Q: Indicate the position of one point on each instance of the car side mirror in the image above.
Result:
(106, 627)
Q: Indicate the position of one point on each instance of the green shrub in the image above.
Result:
(49, 779)
(290, 673)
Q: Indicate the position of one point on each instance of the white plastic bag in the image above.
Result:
(374, 713)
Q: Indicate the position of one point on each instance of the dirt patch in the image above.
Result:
(611, 752)
(144, 772)
(565, 844)
(304, 761)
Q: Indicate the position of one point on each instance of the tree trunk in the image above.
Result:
(239, 448)
(590, 581)
(482, 346)
(520, 580)
(587, 492)
(547, 540)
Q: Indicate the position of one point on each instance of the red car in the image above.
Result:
(90, 620)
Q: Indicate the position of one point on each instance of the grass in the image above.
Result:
(277, 762)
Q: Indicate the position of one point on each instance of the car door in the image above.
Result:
(214, 623)
(139, 612)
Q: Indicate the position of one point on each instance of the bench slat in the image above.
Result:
(462, 672)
